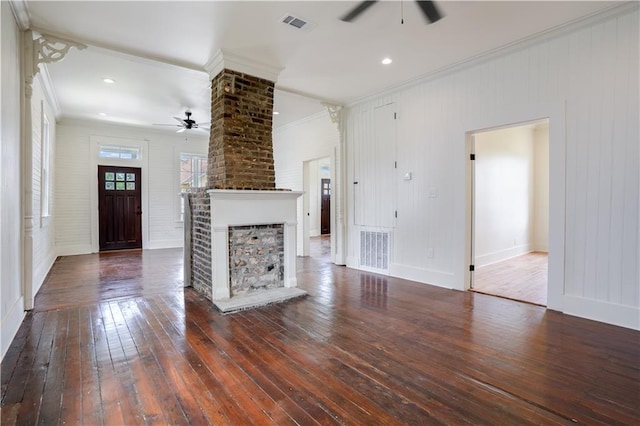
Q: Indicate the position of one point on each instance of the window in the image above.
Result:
(45, 172)
(122, 152)
(193, 174)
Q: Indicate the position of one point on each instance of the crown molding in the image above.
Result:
(555, 32)
(100, 125)
(121, 52)
(324, 114)
(49, 91)
(21, 13)
(224, 59)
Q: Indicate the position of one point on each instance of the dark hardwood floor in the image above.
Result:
(114, 339)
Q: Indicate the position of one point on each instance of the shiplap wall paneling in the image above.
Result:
(376, 172)
(586, 76)
(76, 193)
(363, 159)
(43, 226)
(72, 192)
(628, 29)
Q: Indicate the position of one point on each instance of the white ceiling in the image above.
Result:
(156, 50)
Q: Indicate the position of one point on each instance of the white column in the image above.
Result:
(339, 228)
(29, 70)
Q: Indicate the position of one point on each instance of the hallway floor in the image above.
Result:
(522, 278)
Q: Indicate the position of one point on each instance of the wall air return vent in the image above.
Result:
(297, 22)
(374, 250)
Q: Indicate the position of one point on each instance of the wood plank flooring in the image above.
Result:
(114, 340)
(521, 278)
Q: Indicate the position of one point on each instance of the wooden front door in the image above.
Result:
(325, 207)
(119, 207)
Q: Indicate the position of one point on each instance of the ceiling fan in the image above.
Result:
(428, 8)
(186, 123)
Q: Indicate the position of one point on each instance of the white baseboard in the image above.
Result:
(10, 325)
(162, 244)
(500, 255)
(352, 262)
(86, 248)
(422, 275)
(72, 250)
(42, 271)
(597, 310)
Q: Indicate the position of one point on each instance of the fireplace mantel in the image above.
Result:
(250, 207)
(245, 194)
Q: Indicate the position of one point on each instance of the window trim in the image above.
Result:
(120, 150)
(45, 167)
(179, 203)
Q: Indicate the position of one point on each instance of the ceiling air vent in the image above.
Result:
(297, 22)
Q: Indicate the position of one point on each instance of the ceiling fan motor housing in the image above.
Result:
(189, 123)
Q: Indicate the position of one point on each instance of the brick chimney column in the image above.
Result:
(240, 144)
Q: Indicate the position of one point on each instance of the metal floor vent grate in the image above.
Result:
(374, 249)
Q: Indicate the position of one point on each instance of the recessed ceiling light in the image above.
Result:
(108, 80)
(386, 61)
(102, 114)
(275, 113)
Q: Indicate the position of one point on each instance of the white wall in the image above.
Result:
(586, 79)
(508, 176)
(11, 295)
(308, 139)
(43, 225)
(76, 195)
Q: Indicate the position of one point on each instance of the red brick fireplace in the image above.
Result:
(240, 244)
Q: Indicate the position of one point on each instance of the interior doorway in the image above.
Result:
(317, 207)
(510, 212)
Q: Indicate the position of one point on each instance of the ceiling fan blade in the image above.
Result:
(358, 10)
(184, 129)
(204, 127)
(181, 121)
(430, 10)
(172, 125)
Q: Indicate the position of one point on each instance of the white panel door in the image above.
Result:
(375, 169)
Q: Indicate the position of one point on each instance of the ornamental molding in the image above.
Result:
(48, 49)
(334, 112)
